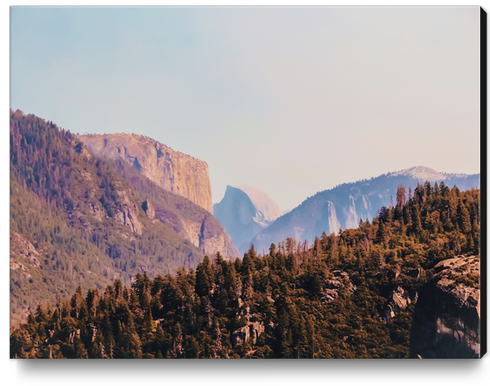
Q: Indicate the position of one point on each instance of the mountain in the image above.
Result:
(422, 173)
(345, 205)
(405, 284)
(80, 220)
(175, 172)
(244, 211)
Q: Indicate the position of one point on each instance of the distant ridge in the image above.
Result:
(425, 173)
(420, 173)
(345, 205)
(77, 219)
(244, 211)
(266, 209)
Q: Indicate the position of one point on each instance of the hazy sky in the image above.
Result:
(290, 100)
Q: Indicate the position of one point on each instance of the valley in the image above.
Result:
(115, 254)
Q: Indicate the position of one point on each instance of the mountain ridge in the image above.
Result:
(345, 205)
(77, 219)
(244, 211)
(425, 173)
(172, 170)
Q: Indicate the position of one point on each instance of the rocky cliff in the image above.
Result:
(446, 321)
(244, 211)
(345, 205)
(77, 219)
(177, 173)
(173, 171)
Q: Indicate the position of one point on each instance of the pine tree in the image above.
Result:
(381, 233)
(204, 277)
(464, 220)
(417, 222)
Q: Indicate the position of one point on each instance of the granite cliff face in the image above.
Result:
(77, 219)
(177, 173)
(244, 211)
(345, 205)
(173, 171)
(446, 321)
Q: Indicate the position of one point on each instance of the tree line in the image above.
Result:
(324, 300)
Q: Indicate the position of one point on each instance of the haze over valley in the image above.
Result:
(93, 219)
(221, 182)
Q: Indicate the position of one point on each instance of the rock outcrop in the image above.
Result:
(208, 234)
(347, 204)
(249, 332)
(84, 220)
(127, 213)
(149, 209)
(334, 286)
(446, 321)
(244, 211)
(397, 301)
(22, 252)
(173, 171)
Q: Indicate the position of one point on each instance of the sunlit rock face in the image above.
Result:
(344, 206)
(244, 211)
(446, 320)
(175, 172)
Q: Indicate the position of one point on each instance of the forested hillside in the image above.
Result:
(78, 220)
(350, 295)
(345, 205)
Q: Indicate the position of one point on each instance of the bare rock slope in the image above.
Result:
(446, 321)
(79, 220)
(345, 205)
(173, 171)
(244, 211)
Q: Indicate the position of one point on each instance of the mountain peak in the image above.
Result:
(420, 173)
(262, 202)
(345, 205)
(244, 211)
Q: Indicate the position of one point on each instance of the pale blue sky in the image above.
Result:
(292, 101)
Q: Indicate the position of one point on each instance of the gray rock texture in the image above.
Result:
(173, 171)
(345, 205)
(244, 211)
(396, 302)
(446, 321)
(249, 332)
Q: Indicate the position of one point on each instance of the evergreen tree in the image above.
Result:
(204, 278)
(328, 306)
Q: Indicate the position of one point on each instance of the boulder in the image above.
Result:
(333, 286)
(348, 338)
(446, 320)
(397, 302)
(334, 283)
(329, 295)
(352, 287)
(339, 273)
(249, 332)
